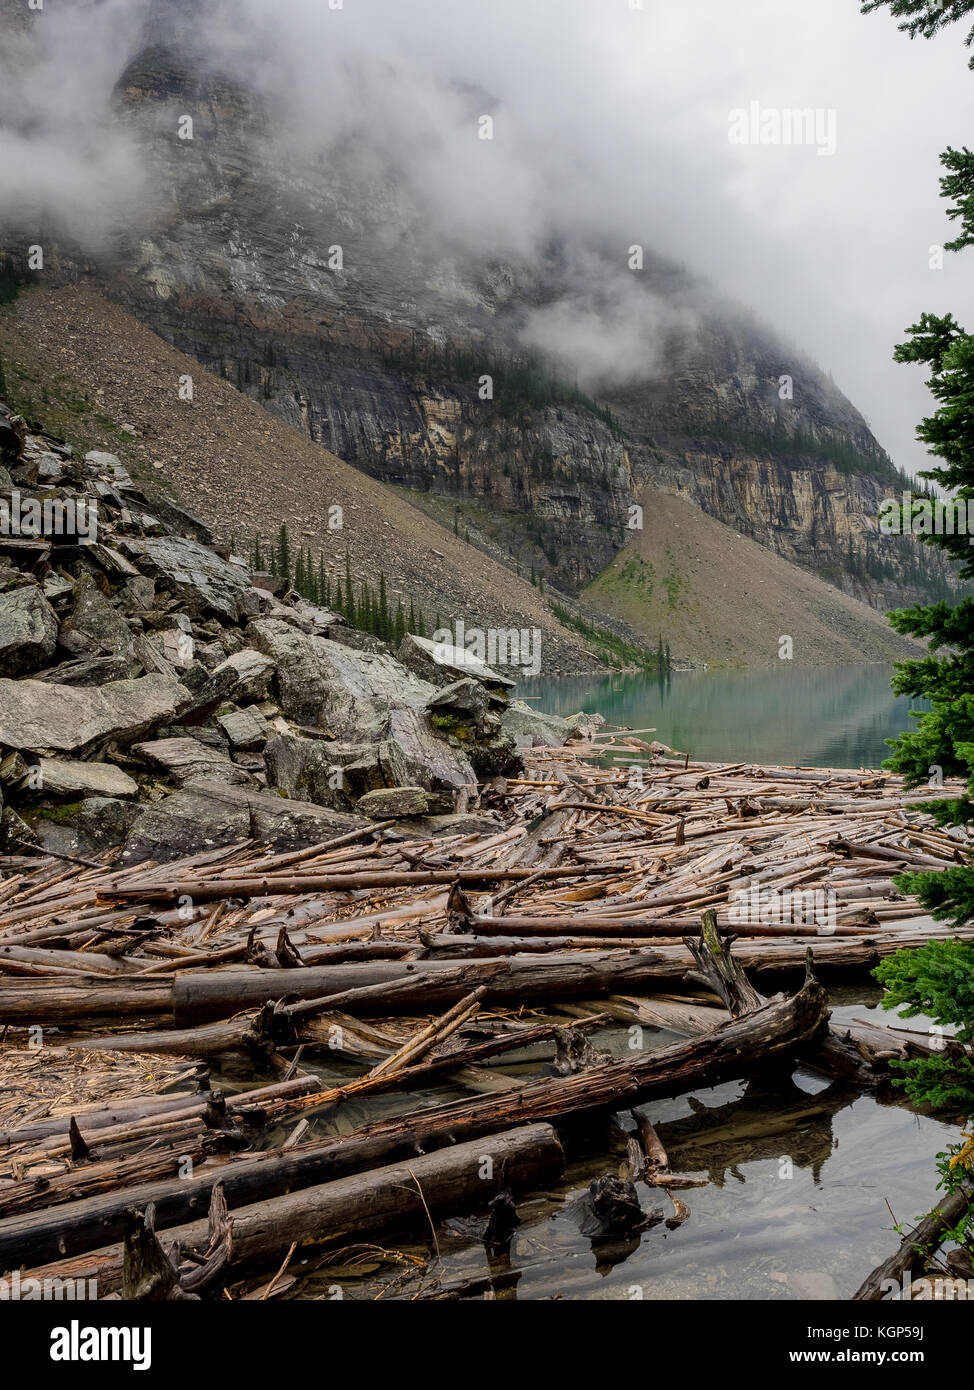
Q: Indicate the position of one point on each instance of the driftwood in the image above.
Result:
(430, 1185)
(916, 1248)
(760, 1039)
(210, 890)
(576, 904)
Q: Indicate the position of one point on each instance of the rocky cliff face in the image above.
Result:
(313, 284)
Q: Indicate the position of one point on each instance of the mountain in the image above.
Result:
(95, 375)
(313, 277)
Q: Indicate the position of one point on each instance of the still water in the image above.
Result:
(837, 716)
(799, 1178)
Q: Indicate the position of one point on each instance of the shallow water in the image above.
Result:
(801, 1176)
(836, 716)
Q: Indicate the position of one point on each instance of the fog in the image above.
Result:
(611, 128)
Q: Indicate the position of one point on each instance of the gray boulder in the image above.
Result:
(466, 698)
(441, 663)
(246, 729)
(103, 823)
(583, 725)
(250, 674)
(100, 461)
(11, 441)
(358, 641)
(206, 814)
(98, 670)
(333, 774)
(455, 823)
(186, 759)
(204, 584)
(94, 627)
(50, 469)
(360, 697)
(38, 716)
(530, 727)
(71, 777)
(28, 630)
(433, 762)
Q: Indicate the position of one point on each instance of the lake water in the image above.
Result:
(801, 1177)
(836, 716)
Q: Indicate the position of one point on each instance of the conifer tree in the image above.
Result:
(284, 553)
(383, 627)
(942, 744)
(938, 978)
(925, 18)
(349, 609)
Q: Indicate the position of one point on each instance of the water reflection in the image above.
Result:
(837, 716)
(802, 1176)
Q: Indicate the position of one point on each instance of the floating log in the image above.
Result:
(601, 876)
(428, 1186)
(738, 1048)
(591, 925)
(210, 890)
(916, 1248)
(197, 998)
(73, 996)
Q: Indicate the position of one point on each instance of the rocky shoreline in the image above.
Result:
(159, 699)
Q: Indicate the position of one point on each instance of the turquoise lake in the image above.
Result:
(837, 716)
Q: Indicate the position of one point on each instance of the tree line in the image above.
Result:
(364, 606)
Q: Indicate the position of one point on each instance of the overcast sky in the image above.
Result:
(833, 250)
(610, 122)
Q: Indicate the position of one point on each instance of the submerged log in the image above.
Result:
(765, 1037)
(434, 1184)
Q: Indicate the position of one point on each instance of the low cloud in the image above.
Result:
(610, 127)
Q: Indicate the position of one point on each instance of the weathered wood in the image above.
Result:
(736, 1049)
(387, 929)
(430, 1185)
(197, 998)
(720, 970)
(916, 1248)
(66, 999)
(588, 924)
(210, 890)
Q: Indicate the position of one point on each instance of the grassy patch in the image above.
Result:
(610, 648)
